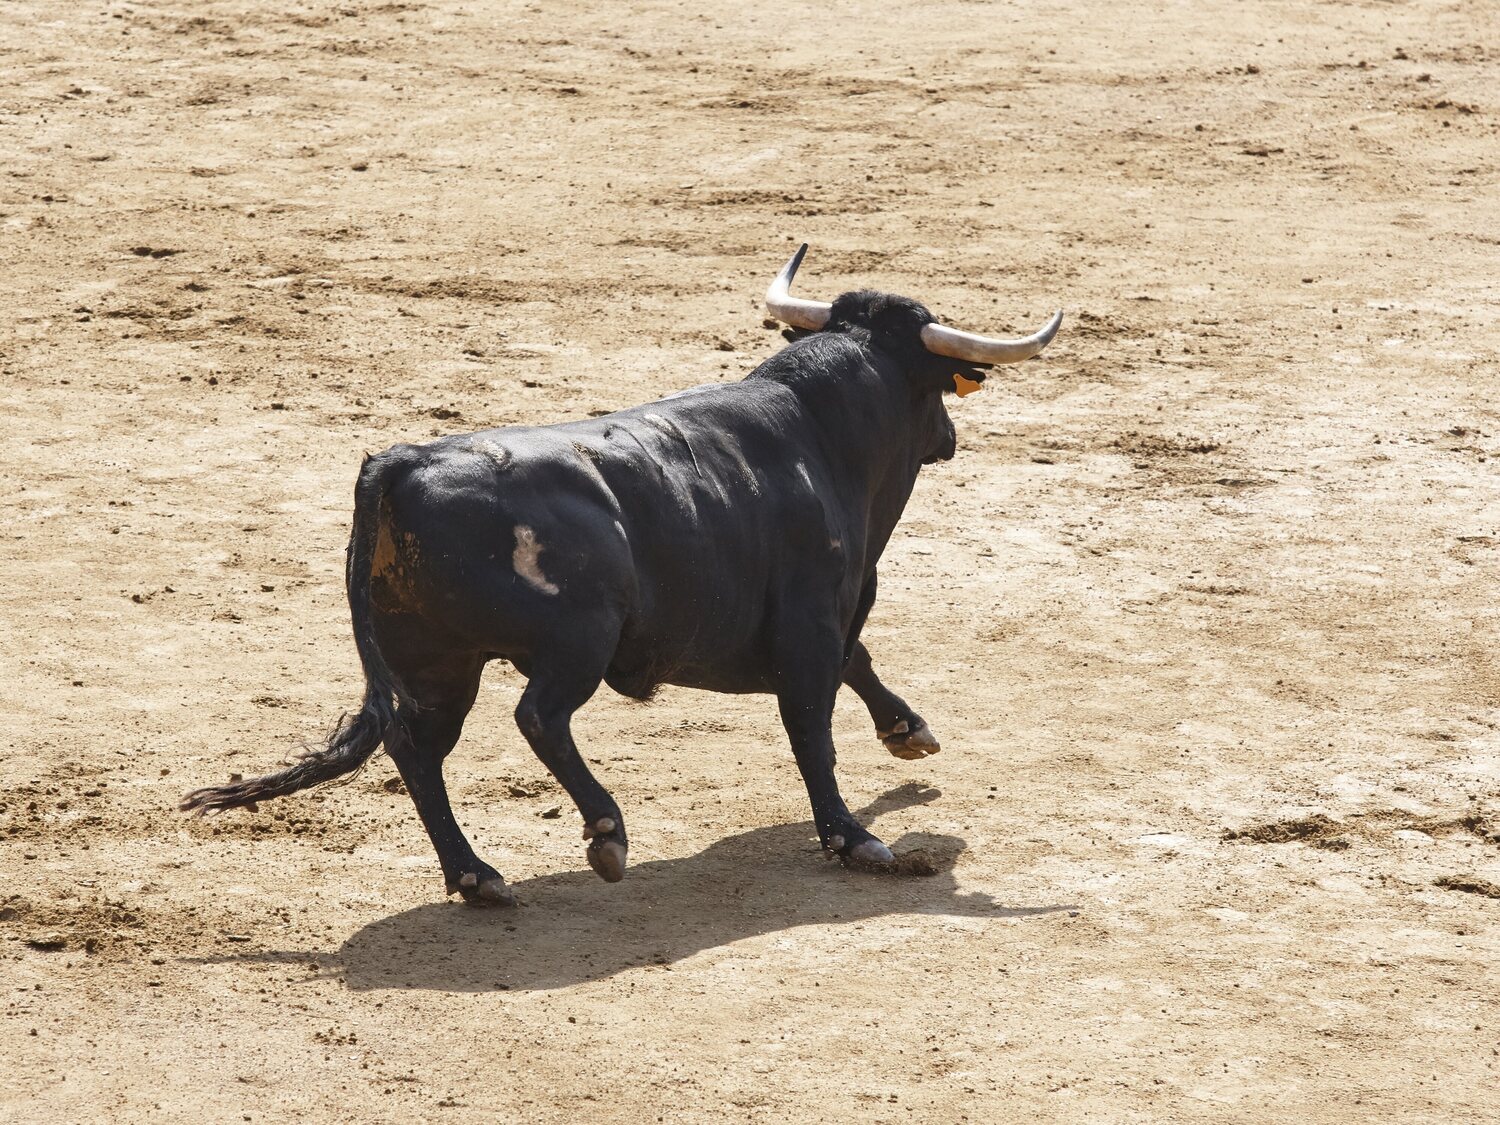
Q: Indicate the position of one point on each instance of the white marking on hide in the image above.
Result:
(525, 561)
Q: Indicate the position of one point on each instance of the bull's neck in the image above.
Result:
(865, 424)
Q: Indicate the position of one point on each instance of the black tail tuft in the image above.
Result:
(357, 737)
(350, 746)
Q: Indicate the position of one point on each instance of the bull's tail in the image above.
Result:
(357, 736)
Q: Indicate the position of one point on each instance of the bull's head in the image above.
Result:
(936, 357)
(936, 338)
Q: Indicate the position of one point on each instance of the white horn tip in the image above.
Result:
(986, 349)
(811, 315)
(1052, 326)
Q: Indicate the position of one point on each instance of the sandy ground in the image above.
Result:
(1205, 610)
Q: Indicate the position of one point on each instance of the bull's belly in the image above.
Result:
(728, 649)
(638, 669)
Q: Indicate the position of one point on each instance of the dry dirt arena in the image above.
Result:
(1205, 610)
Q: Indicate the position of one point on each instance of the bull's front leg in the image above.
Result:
(903, 732)
(808, 666)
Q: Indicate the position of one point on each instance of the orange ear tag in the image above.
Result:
(965, 386)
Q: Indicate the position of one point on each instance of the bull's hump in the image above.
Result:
(699, 389)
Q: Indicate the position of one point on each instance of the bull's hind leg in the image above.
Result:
(903, 732)
(421, 737)
(808, 663)
(562, 681)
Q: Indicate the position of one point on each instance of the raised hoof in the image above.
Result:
(605, 853)
(607, 858)
(489, 891)
(911, 743)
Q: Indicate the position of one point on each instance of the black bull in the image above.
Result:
(724, 538)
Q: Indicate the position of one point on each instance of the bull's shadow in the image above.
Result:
(572, 928)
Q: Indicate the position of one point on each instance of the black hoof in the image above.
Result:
(607, 849)
(869, 852)
(483, 888)
(910, 740)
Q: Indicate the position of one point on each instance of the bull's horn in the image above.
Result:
(986, 349)
(811, 315)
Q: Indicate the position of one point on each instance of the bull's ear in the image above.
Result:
(963, 385)
(963, 378)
